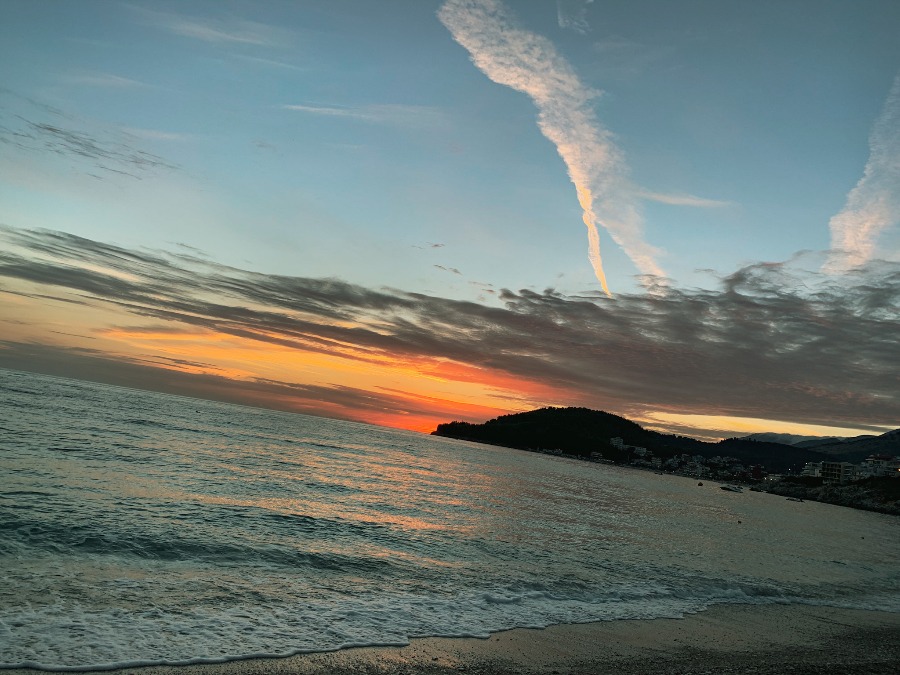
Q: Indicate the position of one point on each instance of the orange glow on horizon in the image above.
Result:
(722, 426)
(409, 393)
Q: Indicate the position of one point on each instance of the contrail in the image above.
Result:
(530, 64)
(874, 204)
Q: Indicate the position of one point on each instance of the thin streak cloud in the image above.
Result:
(873, 205)
(269, 62)
(531, 64)
(103, 80)
(684, 200)
(232, 30)
(156, 134)
(376, 113)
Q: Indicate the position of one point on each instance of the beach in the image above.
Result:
(154, 531)
(796, 639)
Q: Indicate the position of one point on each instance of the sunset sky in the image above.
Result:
(406, 212)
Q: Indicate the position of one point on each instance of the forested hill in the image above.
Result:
(581, 431)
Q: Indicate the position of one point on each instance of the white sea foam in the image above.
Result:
(75, 637)
(169, 532)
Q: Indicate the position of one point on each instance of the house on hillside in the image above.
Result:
(619, 443)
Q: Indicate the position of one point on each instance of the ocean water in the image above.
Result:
(141, 528)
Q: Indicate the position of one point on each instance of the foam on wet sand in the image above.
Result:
(796, 639)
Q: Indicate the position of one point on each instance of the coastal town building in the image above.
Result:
(838, 472)
(619, 443)
(732, 469)
(812, 469)
(880, 465)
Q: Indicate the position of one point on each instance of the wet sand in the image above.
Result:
(726, 639)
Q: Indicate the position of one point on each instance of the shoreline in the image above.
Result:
(800, 639)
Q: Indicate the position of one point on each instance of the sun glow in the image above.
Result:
(414, 393)
(724, 426)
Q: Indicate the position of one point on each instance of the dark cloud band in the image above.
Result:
(772, 341)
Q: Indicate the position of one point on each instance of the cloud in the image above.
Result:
(104, 80)
(772, 341)
(37, 129)
(683, 200)
(873, 205)
(622, 57)
(104, 153)
(531, 64)
(203, 380)
(269, 62)
(572, 15)
(156, 134)
(229, 31)
(384, 113)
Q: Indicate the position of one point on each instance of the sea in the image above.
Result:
(142, 528)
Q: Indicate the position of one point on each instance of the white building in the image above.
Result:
(880, 465)
(813, 469)
(619, 443)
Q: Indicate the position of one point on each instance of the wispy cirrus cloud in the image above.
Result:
(529, 63)
(103, 80)
(572, 15)
(765, 344)
(98, 151)
(680, 199)
(218, 30)
(32, 128)
(622, 57)
(873, 205)
(157, 134)
(376, 113)
(272, 63)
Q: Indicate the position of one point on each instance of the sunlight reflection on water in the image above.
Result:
(130, 513)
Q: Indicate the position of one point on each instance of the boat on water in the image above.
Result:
(794, 499)
(732, 488)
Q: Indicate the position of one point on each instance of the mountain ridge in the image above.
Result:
(582, 431)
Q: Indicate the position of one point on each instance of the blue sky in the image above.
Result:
(395, 144)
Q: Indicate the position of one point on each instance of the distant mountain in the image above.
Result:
(858, 448)
(842, 448)
(822, 440)
(833, 440)
(580, 431)
(791, 439)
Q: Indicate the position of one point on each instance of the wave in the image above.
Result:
(18, 534)
(121, 639)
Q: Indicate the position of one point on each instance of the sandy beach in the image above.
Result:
(724, 639)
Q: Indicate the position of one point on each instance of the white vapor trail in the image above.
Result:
(874, 204)
(530, 64)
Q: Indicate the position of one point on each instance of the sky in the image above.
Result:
(406, 212)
